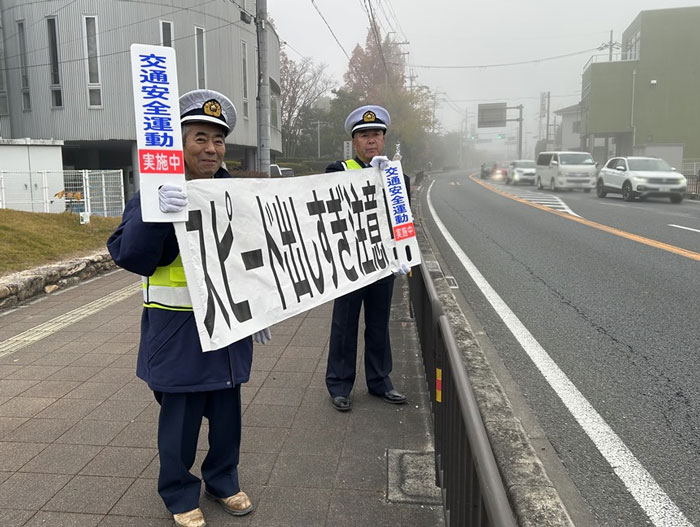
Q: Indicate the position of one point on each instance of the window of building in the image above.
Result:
(576, 127)
(274, 112)
(92, 55)
(54, 73)
(200, 58)
(244, 75)
(3, 86)
(166, 33)
(24, 71)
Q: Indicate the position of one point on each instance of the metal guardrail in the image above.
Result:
(693, 186)
(466, 470)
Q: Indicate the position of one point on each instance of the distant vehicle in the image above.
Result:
(485, 171)
(278, 171)
(498, 173)
(521, 171)
(565, 170)
(641, 177)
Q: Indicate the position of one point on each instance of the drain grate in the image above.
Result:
(452, 282)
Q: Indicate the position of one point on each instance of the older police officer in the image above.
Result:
(188, 383)
(367, 126)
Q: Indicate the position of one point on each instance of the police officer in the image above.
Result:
(188, 383)
(367, 126)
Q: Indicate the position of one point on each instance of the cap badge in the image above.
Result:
(369, 117)
(212, 107)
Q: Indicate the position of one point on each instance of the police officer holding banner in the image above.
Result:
(367, 126)
(188, 383)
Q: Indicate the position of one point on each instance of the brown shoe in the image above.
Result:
(193, 518)
(237, 505)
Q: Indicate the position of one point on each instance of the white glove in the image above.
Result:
(402, 269)
(379, 162)
(171, 198)
(263, 336)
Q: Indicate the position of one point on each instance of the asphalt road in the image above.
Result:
(618, 316)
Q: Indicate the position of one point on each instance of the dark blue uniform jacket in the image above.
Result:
(170, 356)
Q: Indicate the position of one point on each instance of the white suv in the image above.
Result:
(640, 177)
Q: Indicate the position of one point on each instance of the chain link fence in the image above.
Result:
(95, 192)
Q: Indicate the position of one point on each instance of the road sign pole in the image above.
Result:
(520, 133)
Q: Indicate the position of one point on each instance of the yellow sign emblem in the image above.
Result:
(212, 108)
(369, 117)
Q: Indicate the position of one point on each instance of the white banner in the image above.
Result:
(258, 251)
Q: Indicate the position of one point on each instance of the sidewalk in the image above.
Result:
(78, 429)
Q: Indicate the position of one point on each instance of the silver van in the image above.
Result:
(565, 170)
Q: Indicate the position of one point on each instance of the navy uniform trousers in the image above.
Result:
(178, 429)
(342, 353)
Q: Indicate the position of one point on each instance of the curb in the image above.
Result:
(532, 495)
(27, 285)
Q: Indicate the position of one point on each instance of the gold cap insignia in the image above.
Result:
(212, 107)
(369, 117)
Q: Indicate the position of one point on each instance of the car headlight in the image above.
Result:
(640, 179)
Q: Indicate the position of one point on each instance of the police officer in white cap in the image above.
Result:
(367, 126)
(188, 383)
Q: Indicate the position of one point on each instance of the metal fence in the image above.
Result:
(466, 470)
(97, 192)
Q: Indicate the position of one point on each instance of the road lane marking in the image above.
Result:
(527, 196)
(50, 327)
(610, 230)
(657, 505)
(681, 227)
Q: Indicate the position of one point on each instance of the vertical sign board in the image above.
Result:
(158, 137)
(492, 115)
(400, 214)
(347, 149)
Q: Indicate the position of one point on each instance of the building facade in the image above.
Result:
(645, 98)
(65, 72)
(568, 135)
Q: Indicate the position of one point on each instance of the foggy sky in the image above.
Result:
(467, 33)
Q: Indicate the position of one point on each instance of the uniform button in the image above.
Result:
(228, 382)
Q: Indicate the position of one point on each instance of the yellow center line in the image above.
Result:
(611, 230)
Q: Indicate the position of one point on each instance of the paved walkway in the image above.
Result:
(78, 429)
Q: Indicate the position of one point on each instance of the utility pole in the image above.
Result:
(546, 133)
(520, 132)
(610, 47)
(318, 135)
(263, 90)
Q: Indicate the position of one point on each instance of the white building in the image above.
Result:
(569, 130)
(65, 72)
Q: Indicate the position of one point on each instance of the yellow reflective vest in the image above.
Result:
(351, 164)
(166, 288)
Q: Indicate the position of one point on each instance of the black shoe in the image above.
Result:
(342, 404)
(392, 396)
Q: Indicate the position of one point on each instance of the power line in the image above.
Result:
(505, 64)
(330, 29)
(373, 27)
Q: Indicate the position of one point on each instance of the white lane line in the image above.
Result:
(681, 227)
(56, 324)
(660, 509)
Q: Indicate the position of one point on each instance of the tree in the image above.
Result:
(302, 85)
(375, 75)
